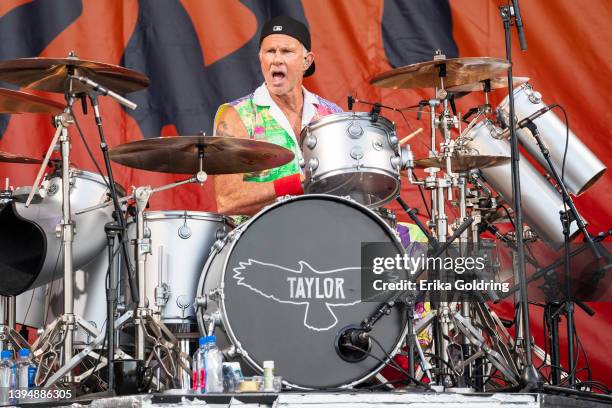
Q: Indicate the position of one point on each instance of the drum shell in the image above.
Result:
(89, 301)
(364, 165)
(213, 301)
(86, 189)
(540, 201)
(181, 258)
(582, 167)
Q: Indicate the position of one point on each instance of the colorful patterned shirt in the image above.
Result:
(264, 120)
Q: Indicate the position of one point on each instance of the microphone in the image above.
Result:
(525, 121)
(519, 25)
(375, 112)
(353, 344)
(350, 102)
(106, 92)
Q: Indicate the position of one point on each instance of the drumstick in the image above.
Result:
(410, 136)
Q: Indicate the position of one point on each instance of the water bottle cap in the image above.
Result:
(268, 364)
(24, 353)
(6, 354)
(202, 341)
(211, 339)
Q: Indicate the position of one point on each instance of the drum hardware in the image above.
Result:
(9, 337)
(6, 157)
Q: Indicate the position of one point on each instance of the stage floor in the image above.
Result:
(342, 400)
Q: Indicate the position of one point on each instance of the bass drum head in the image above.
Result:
(292, 282)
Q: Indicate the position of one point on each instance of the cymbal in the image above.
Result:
(459, 71)
(463, 162)
(13, 158)
(22, 102)
(495, 83)
(50, 74)
(222, 155)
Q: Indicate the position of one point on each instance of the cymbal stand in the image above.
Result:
(165, 349)
(60, 333)
(9, 337)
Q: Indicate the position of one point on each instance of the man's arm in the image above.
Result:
(234, 195)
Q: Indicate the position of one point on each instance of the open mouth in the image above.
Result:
(278, 76)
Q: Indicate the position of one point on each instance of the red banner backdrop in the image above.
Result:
(567, 62)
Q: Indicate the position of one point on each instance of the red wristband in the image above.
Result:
(288, 185)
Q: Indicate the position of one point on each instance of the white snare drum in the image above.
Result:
(540, 201)
(180, 244)
(30, 248)
(582, 167)
(350, 154)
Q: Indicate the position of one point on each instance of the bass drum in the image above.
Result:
(283, 286)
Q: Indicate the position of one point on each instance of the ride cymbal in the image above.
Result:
(222, 155)
(51, 74)
(463, 163)
(6, 157)
(22, 102)
(494, 83)
(454, 71)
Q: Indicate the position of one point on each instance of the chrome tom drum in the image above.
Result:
(351, 154)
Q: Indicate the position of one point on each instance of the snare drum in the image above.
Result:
(30, 249)
(180, 244)
(351, 154)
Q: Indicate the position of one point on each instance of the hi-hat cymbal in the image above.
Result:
(222, 155)
(6, 157)
(50, 74)
(459, 71)
(461, 163)
(21, 102)
(494, 83)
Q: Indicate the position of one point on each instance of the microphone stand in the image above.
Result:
(530, 375)
(565, 216)
(117, 228)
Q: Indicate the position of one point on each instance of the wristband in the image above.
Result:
(289, 185)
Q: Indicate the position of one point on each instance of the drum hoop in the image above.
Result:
(243, 353)
(382, 122)
(522, 88)
(376, 170)
(95, 177)
(186, 214)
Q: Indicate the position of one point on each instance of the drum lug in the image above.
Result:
(355, 131)
(396, 161)
(313, 164)
(162, 294)
(356, 153)
(200, 303)
(311, 141)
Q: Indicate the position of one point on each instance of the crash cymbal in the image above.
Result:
(21, 102)
(13, 158)
(462, 163)
(494, 83)
(50, 74)
(459, 71)
(222, 155)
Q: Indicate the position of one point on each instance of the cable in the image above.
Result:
(422, 195)
(89, 152)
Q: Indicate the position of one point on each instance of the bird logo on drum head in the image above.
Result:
(319, 291)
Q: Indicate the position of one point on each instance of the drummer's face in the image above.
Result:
(283, 61)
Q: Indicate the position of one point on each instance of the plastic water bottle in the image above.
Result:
(26, 370)
(198, 372)
(7, 377)
(213, 360)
